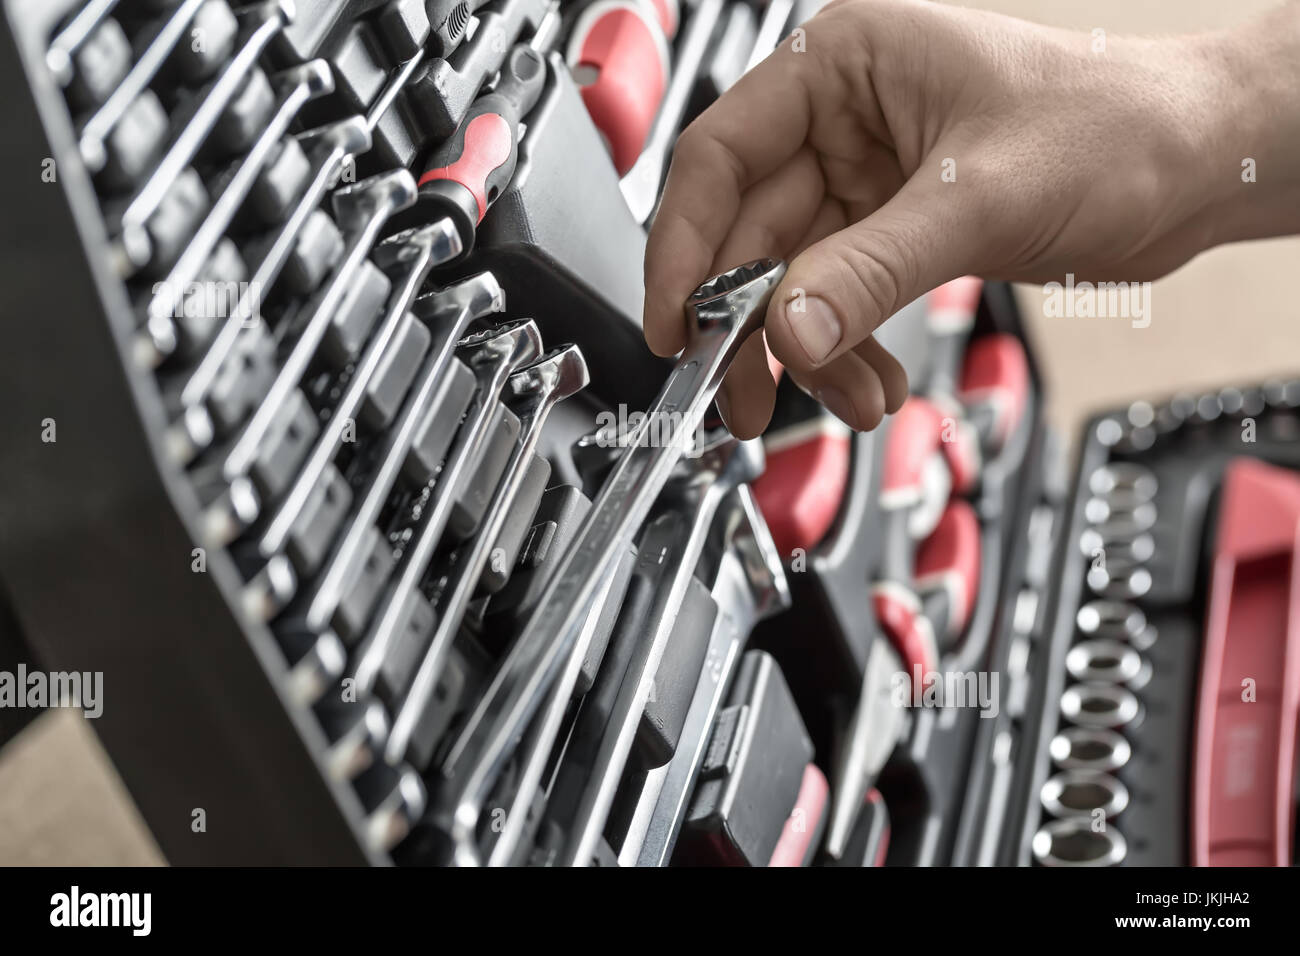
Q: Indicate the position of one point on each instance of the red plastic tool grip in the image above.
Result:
(915, 434)
(949, 560)
(1243, 808)
(951, 307)
(803, 825)
(996, 372)
(623, 45)
(801, 489)
(488, 144)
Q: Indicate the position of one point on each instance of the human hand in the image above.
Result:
(1117, 162)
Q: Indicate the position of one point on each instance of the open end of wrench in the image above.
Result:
(557, 374)
(518, 338)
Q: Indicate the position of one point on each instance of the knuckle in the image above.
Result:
(702, 144)
(875, 272)
(762, 236)
(692, 147)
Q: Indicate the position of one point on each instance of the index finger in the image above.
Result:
(748, 133)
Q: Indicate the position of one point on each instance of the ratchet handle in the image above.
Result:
(465, 175)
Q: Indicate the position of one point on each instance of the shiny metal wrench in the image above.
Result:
(535, 750)
(410, 255)
(750, 585)
(598, 746)
(723, 313)
(698, 495)
(640, 185)
(449, 313)
(877, 725)
(493, 356)
(535, 390)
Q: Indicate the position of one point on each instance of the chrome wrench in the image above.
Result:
(723, 313)
(449, 313)
(493, 356)
(598, 746)
(410, 255)
(535, 750)
(877, 725)
(750, 585)
(535, 390)
(699, 494)
(640, 186)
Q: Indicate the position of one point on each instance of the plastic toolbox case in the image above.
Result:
(328, 319)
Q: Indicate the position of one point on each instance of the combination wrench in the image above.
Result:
(361, 210)
(671, 548)
(534, 752)
(309, 635)
(409, 255)
(535, 390)
(749, 586)
(722, 314)
(612, 712)
(493, 356)
(448, 313)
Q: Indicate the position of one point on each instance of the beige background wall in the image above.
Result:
(1226, 317)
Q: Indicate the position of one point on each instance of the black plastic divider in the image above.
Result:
(568, 252)
(1188, 457)
(196, 714)
(822, 642)
(928, 781)
(993, 746)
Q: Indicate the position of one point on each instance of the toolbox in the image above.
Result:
(328, 318)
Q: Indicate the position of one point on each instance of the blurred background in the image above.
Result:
(1226, 317)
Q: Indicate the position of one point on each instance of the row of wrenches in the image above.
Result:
(228, 444)
(535, 679)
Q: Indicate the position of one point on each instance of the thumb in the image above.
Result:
(838, 290)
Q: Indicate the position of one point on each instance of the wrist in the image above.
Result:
(1250, 170)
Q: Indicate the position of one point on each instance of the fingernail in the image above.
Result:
(815, 326)
(838, 404)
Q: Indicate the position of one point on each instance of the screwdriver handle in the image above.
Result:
(448, 19)
(465, 175)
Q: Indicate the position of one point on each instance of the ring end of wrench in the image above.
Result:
(744, 291)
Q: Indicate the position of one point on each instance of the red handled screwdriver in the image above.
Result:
(466, 174)
(449, 20)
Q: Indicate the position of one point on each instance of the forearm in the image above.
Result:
(915, 142)
(1252, 169)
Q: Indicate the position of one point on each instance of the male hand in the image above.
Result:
(898, 144)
